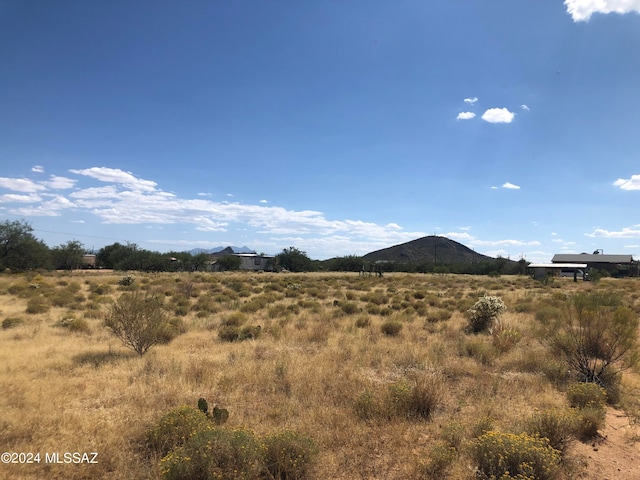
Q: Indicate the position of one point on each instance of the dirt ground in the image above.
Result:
(614, 456)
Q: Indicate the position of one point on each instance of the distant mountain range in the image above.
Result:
(245, 249)
(431, 249)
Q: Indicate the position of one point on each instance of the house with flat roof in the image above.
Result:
(617, 265)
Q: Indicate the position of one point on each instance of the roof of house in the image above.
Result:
(590, 258)
(557, 265)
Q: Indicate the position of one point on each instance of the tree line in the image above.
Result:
(20, 250)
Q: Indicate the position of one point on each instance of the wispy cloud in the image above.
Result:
(510, 186)
(581, 10)
(24, 185)
(471, 100)
(632, 183)
(465, 116)
(59, 183)
(37, 169)
(115, 175)
(498, 115)
(524, 107)
(626, 232)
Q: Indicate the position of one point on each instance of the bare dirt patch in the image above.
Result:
(615, 455)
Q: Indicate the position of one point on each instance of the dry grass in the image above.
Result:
(83, 391)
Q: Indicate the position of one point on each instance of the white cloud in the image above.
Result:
(115, 175)
(465, 116)
(504, 243)
(626, 232)
(37, 169)
(21, 185)
(263, 201)
(17, 198)
(524, 107)
(59, 183)
(493, 187)
(498, 115)
(510, 186)
(581, 10)
(471, 100)
(632, 183)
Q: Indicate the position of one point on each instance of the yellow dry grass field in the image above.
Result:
(326, 363)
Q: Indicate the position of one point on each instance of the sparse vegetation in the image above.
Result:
(317, 392)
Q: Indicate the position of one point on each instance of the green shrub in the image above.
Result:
(127, 281)
(391, 328)
(287, 455)
(596, 337)
(367, 405)
(363, 321)
(11, 322)
(583, 394)
(441, 457)
(234, 333)
(234, 320)
(506, 455)
(589, 401)
(349, 308)
(558, 426)
(73, 324)
(215, 454)
(175, 428)
(38, 304)
(484, 312)
(139, 320)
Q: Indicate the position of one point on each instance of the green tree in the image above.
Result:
(68, 256)
(20, 249)
(294, 260)
(229, 262)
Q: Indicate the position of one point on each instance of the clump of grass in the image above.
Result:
(391, 328)
(438, 462)
(73, 324)
(37, 305)
(238, 334)
(504, 337)
(11, 322)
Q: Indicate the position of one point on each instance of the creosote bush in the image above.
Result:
(597, 337)
(391, 328)
(139, 320)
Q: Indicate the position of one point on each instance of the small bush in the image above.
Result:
(589, 401)
(287, 455)
(11, 322)
(175, 428)
(391, 328)
(363, 322)
(558, 426)
(349, 308)
(441, 457)
(215, 454)
(38, 304)
(73, 324)
(506, 455)
(581, 395)
(233, 333)
(484, 312)
(140, 321)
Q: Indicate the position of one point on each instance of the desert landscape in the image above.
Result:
(323, 375)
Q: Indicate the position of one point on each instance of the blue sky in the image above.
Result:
(339, 127)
